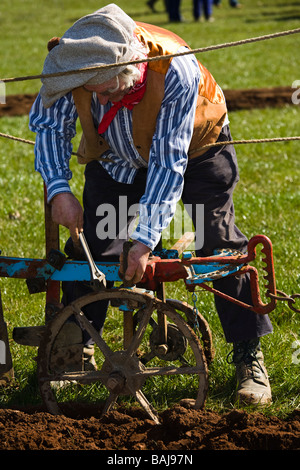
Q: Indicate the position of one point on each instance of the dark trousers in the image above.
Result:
(205, 5)
(210, 179)
(173, 9)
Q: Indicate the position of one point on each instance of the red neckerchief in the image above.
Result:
(129, 101)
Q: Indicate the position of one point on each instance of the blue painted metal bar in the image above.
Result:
(25, 268)
(29, 268)
(199, 273)
(80, 271)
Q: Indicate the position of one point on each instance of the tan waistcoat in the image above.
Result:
(210, 110)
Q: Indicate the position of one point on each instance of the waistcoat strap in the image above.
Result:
(210, 110)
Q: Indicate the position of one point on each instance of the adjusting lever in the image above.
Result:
(98, 280)
(126, 247)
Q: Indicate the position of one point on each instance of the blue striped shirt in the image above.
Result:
(55, 128)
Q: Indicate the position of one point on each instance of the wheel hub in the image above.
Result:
(123, 374)
(175, 347)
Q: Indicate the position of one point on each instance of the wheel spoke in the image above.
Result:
(111, 400)
(86, 325)
(147, 357)
(171, 370)
(146, 405)
(85, 377)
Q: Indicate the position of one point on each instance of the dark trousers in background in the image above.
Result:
(173, 9)
(210, 179)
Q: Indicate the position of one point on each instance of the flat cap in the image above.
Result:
(101, 38)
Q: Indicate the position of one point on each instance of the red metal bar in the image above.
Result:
(258, 306)
(171, 270)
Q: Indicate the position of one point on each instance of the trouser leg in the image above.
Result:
(196, 9)
(208, 9)
(210, 180)
(174, 10)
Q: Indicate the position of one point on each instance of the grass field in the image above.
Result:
(266, 199)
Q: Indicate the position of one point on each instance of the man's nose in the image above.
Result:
(103, 99)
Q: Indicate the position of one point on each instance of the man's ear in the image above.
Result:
(52, 43)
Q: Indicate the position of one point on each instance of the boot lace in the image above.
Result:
(246, 352)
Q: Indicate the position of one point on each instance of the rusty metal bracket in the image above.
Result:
(290, 299)
(242, 261)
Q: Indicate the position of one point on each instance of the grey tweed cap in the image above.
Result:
(101, 38)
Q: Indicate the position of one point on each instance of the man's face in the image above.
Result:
(113, 90)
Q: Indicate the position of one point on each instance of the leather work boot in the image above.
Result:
(252, 377)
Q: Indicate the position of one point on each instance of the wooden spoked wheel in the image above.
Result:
(142, 359)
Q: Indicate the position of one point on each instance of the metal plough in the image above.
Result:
(162, 338)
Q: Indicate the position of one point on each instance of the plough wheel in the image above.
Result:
(125, 372)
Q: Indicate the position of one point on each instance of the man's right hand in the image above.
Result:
(66, 210)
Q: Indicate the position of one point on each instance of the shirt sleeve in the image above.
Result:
(55, 127)
(169, 150)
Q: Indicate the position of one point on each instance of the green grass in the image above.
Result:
(26, 29)
(266, 198)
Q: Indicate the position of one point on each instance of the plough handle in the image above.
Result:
(126, 247)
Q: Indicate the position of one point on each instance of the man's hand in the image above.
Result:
(136, 262)
(67, 211)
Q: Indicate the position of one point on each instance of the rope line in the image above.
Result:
(19, 139)
(227, 142)
(151, 59)
(251, 141)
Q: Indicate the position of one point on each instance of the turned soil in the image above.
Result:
(181, 428)
(17, 105)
